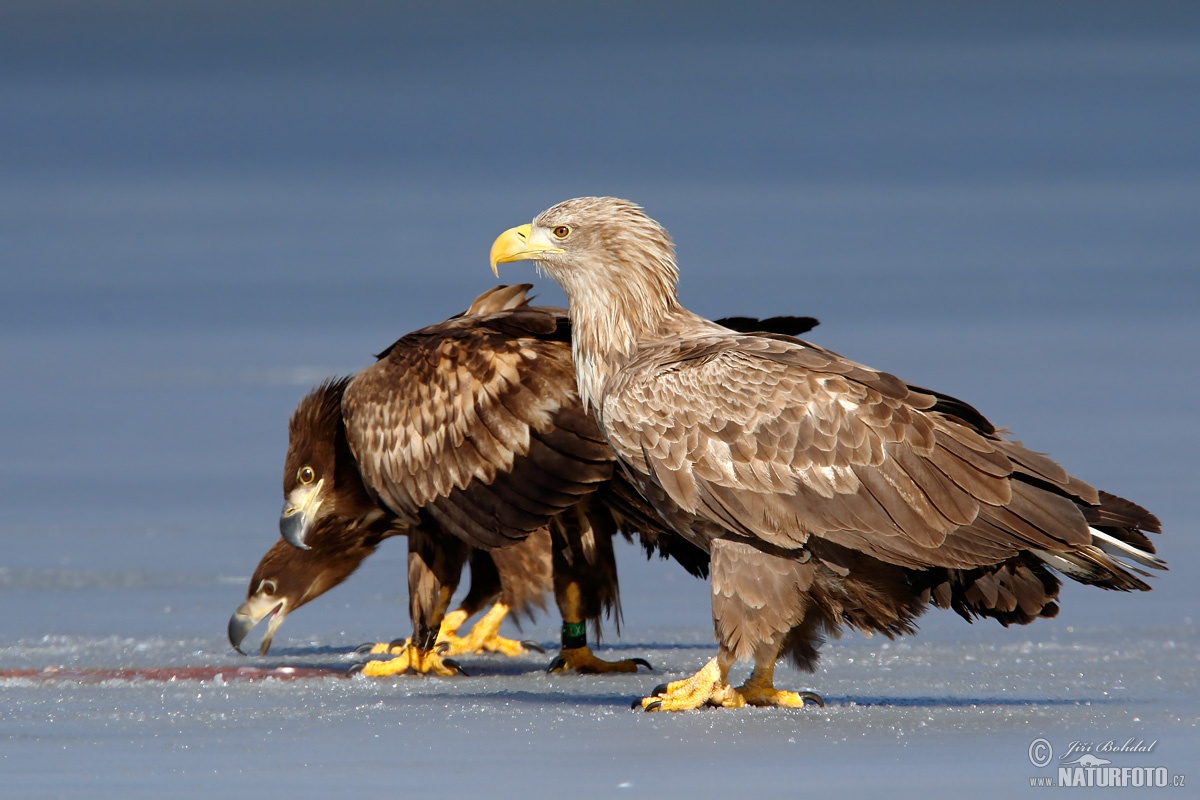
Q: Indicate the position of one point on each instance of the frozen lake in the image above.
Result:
(208, 207)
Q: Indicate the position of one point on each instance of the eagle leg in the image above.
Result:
(452, 622)
(575, 655)
(484, 636)
(706, 687)
(759, 599)
(434, 568)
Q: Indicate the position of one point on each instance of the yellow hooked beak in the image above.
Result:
(520, 244)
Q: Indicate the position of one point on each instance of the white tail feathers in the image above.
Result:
(1106, 562)
(1121, 550)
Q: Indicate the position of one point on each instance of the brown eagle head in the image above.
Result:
(320, 477)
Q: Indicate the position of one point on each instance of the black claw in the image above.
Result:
(641, 662)
(813, 698)
(355, 668)
(659, 690)
(454, 665)
(364, 649)
(558, 663)
(529, 645)
(442, 648)
(394, 643)
(655, 706)
(635, 705)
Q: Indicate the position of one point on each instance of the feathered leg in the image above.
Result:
(757, 600)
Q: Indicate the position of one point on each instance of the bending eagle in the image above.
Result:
(826, 492)
(349, 527)
(468, 438)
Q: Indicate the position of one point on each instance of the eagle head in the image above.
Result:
(317, 457)
(287, 578)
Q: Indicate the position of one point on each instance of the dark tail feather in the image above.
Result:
(782, 325)
(1119, 550)
(1125, 521)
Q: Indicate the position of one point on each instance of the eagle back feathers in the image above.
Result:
(776, 440)
(791, 440)
(476, 423)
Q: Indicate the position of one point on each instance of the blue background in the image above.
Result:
(205, 208)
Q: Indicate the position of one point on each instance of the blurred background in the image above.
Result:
(207, 207)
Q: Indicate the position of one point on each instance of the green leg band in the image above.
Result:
(574, 635)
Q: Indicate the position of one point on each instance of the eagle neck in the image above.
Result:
(610, 322)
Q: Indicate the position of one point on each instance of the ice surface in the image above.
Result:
(208, 207)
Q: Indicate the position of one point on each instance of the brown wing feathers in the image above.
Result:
(474, 421)
(909, 476)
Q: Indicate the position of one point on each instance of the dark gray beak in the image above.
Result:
(293, 526)
(252, 612)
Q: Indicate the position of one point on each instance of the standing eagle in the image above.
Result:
(826, 492)
(467, 437)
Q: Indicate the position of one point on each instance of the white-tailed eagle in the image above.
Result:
(827, 493)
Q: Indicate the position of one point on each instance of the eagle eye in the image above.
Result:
(267, 586)
(561, 231)
(306, 475)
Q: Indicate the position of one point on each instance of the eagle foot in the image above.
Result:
(581, 660)
(475, 642)
(451, 622)
(484, 636)
(411, 661)
(456, 645)
(752, 694)
(706, 687)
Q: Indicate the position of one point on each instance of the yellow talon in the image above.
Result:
(758, 696)
(707, 686)
(394, 648)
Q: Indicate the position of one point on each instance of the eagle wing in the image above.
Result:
(776, 441)
(476, 422)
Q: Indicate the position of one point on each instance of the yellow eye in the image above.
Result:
(306, 475)
(561, 231)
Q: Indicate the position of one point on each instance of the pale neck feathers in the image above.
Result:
(613, 310)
